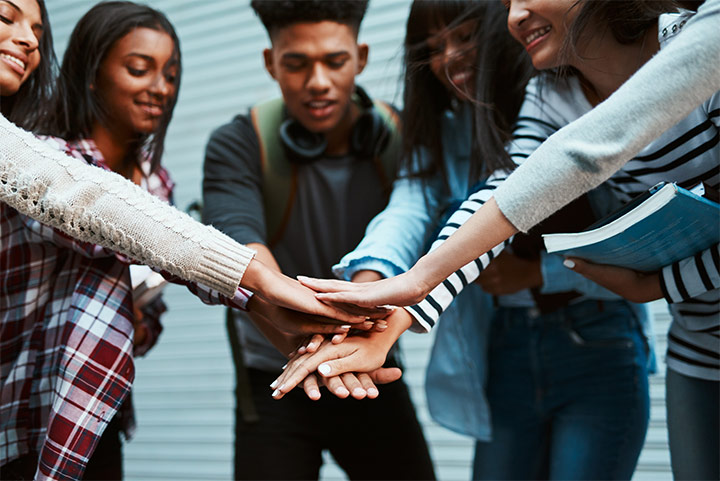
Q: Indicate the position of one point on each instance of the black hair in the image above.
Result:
(29, 104)
(503, 70)
(76, 106)
(627, 21)
(277, 14)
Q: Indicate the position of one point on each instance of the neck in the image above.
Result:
(606, 64)
(114, 147)
(338, 139)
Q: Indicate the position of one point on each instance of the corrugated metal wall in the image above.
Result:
(183, 390)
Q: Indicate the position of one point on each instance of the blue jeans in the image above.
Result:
(568, 394)
(693, 419)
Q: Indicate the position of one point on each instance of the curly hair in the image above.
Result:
(277, 14)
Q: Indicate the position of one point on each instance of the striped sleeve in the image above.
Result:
(427, 312)
(691, 277)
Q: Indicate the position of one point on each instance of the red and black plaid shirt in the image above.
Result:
(66, 332)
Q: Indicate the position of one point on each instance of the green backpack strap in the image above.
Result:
(279, 175)
(387, 162)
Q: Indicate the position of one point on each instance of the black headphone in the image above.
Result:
(369, 136)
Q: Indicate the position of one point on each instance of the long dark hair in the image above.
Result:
(626, 21)
(76, 106)
(29, 104)
(503, 69)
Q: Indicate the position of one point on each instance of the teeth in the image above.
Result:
(318, 104)
(537, 33)
(15, 60)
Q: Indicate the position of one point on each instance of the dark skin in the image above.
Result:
(508, 274)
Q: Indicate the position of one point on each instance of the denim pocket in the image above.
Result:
(610, 326)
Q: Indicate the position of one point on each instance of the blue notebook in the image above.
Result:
(665, 225)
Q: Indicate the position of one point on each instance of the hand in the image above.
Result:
(359, 385)
(400, 290)
(280, 290)
(364, 352)
(632, 285)
(508, 273)
(299, 323)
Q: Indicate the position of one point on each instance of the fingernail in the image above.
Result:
(346, 327)
(314, 394)
(276, 393)
(359, 392)
(569, 264)
(301, 278)
(368, 324)
(310, 346)
(341, 391)
(324, 369)
(373, 391)
(274, 384)
(283, 368)
(301, 350)
(381, 325)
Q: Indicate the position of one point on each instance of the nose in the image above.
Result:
(25, 37)
(517, 14)
(319, 81)
(161, 86)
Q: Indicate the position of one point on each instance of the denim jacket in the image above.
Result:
(457, 370)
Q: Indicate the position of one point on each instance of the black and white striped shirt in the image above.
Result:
(688, 153)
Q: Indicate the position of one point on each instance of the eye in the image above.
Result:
(294, 65)
(336, 63)
(136, 72)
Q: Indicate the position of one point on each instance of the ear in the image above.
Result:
(268, 56)
(363, 50)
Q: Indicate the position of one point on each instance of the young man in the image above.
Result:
(298, 180)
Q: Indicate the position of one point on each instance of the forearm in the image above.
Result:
(589, 150)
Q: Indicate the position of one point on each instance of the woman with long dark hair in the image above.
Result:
(465, 81)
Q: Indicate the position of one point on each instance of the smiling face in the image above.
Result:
(136, 81)
(315, 65)
(20, 32)
(453, 56)
(541, 27)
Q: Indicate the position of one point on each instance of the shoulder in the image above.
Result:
(671, 24)
(553, 99)
(239, 128)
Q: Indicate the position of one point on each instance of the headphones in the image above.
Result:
(369, 137)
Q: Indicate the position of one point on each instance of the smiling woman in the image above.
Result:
(26, 60)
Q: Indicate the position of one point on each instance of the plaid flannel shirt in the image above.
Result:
(66, 332)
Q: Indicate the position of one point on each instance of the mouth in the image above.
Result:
(536, 36)
(17, 64)
(152, 109)
(320, 109)
(461, 79)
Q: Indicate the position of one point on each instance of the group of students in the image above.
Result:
(531, 357)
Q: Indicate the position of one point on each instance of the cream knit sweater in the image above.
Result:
(101, 207)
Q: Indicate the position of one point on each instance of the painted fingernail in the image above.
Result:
(359, 392)
(346, 327)
(324, 369)
(276, 393)
(284, 367)
(274, 384)
(301, 350)
(314, 394)
(368, 324)
(569, 264)
(341, 391)
(311, 345)
(381, 325)
(372, 392)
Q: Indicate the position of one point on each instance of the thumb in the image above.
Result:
(385, 375)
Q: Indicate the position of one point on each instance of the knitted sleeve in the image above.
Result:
(102, 207)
